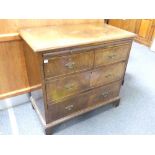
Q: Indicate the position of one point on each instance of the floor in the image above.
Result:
(135, 115)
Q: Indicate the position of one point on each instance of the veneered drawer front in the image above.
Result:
(83, 101)
(111, 55)
(71, 63)
(58, 89)
(65, 108)
(107, 74)
(104, 93)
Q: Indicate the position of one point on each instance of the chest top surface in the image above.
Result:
(55, 37)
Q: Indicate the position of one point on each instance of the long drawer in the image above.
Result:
(57, 90)
(84, 100)
(71, 63)
(109, 55)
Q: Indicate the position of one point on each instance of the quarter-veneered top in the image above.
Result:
(55, 37)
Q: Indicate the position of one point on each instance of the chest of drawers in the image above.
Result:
(74, 69)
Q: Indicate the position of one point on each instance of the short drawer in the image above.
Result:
(60, 88)
(107, 74)
(104, 93)
(71, 63)
(65, 108)
(111, 55)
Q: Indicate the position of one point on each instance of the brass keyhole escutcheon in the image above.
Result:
(69, 86)
(105, 94)
(70, 107)
(112, 56)
(108, 75)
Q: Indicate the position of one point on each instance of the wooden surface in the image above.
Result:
(153, 37)
(9, 28)
(68, 107)
(60, 88)
(107, 74)
(14, 25)
(32, 66)
(9, 37)
(127, 24)
(103, 93)
(55, 37)
(48, 127)
(82, 86)
(111, 55)
(14, 80)
(145, 33)
(81, 67)
(84, 101)
(144, 28)
(13, 76)
(67, 64)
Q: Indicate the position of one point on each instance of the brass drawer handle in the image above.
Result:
(69, 107)
(70, 65)
(105, 94)
(112, 56)
(109, 75)
(69, 86)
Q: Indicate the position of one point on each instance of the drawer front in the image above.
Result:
(111, 55)
(60, 110)
(107, 74)
(83, 101)
(71, 63)
(104, 93)
(58, 89)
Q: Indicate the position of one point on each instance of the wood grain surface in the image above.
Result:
(70, 85)
(14, 25)
(67, 64)
(55, 37)
(111, 55)
(82, 67)
(13, 73)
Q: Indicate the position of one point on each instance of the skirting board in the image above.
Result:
(14, 101)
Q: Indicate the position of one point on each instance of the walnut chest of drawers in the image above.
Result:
(74, 69)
